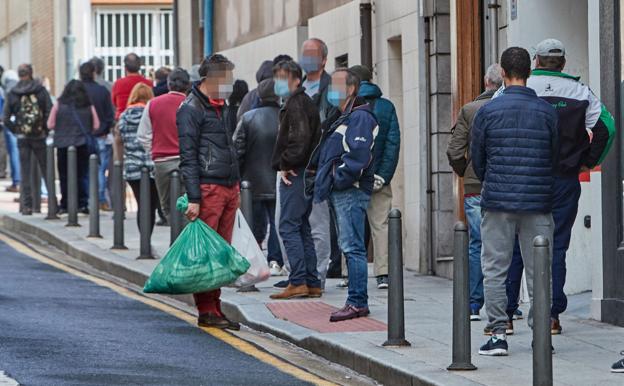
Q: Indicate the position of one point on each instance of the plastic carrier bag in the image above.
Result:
(198, 261)
(244, 241)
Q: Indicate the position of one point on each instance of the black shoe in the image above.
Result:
(552, 349)
(618, 367)
(83, 210)
(162, 222)
(382, 282)
(232, 325)
(281, 284)
(27, 211)
(212, 320)
(494, 347)
(61, 211)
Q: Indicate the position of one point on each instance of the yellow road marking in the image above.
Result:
(231, 340)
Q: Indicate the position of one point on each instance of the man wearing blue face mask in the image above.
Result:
(299, 132)
(345, 175)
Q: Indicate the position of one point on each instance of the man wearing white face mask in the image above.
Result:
(209, 166)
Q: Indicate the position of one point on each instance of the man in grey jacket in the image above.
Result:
(458, 153)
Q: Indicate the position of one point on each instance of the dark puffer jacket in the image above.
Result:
(299, 132)
(207, 154)
(514, 152)
(254, 140)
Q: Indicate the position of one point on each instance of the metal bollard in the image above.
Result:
(72, 187)
(51, 183)
(175, 217)
(35, 183)
(396, 315)
(542, 340)
(94, 198)
(246, 204)
(118, 207)
(145, 213)
(461, 301)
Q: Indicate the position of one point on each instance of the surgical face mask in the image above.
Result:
(334, 97)
(310, 63)
(280, 86)
(225, 90)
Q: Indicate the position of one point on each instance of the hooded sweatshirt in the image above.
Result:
(252, 99)
(13, 105)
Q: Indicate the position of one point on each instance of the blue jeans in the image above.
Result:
(472, 207)
(294, 227)
(14, 162)
(263, 215)
(105, 152)
(350, 207)
(566, 194)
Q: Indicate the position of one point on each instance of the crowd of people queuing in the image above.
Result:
(320, 151)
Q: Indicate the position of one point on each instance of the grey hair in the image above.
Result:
(324, 50)
(352, 78)
(494, 75)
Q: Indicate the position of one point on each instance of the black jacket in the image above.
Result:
(299, 132)
(161, 88)
(254, 140)
(12, 105)
(207, 154)
(67, 130)
(101, 100)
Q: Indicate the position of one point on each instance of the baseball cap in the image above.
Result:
(362, 72)
(550, 47)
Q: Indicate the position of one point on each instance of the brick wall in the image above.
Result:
(42, 38)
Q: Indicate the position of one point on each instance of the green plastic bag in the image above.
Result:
(199, 260)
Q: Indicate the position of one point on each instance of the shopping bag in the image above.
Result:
(244, 241)
(198, 261)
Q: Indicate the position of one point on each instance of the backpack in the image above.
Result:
(29, 118)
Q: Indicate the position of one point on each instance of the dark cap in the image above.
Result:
(362, 72)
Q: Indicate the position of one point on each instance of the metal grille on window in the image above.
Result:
(148, 33)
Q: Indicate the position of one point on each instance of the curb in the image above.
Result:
(394, 369)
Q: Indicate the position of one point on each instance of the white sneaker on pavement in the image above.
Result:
(276, 270)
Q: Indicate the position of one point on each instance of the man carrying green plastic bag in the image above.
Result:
(210, 170)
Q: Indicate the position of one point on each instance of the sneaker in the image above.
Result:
(618, 367)
(382, 282)
(349, 312)
(281, 284)
(212, 320)
(509, 330)
(275, 269)
(517, 315)
(474, 314)
(555, 326)
(162, 222)
(232, 325)
(495, 346)
(27, 211)
(83, 210)
(344, 283)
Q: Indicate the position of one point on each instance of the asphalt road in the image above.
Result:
(59, 329)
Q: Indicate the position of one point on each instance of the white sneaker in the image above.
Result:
(276, 270)
(343, 283)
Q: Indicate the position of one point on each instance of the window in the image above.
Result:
(147, 32)
(342, 61)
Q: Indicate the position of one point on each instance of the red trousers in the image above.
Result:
(217, 209)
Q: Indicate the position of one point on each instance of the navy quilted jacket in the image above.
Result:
(514, 149)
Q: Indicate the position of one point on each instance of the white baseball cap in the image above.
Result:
(550, 47)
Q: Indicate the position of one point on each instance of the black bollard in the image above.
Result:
(118, 207)
(51, 183)
(175, 217)
(94, 198)
(35, 183)
(145, 213)
(461, 301)
(246, 204)
(542, 339)
(72, 187)
(396, 314)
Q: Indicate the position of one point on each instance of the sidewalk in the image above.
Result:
(584, 355)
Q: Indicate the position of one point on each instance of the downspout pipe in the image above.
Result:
(366, 34)
(69, 41)
(493, 13)
(176, 35)
(208, 26)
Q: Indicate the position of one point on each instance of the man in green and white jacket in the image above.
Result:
(586, 132)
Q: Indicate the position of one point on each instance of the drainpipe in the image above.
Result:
(176, 42)
(69, 40)
(493, 16)
(429, 166)
(208, 16)
(366, 35)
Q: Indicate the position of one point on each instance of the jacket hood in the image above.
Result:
(27, 87)
(266, 92)
(265, 71)
(369, 90)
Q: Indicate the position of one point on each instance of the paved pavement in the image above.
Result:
(59, 329)
(584, 352)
